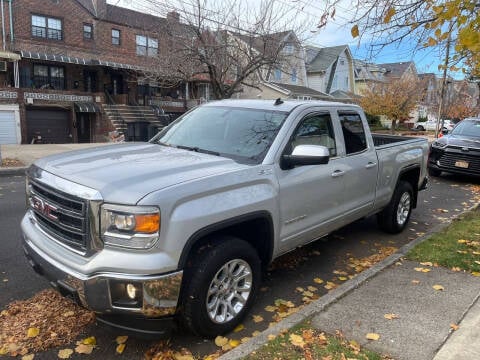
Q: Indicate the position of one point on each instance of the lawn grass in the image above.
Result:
(457, 246)
(313, 344)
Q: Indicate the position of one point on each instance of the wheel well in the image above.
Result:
(412, 176)
(256, 229)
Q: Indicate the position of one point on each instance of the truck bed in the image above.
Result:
(384, 139)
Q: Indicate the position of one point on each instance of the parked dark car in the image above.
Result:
(458, 151)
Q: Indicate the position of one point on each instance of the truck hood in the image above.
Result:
(125, 173)
(460, 140)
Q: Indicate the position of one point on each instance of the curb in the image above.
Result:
(321, 304)
(13, 171)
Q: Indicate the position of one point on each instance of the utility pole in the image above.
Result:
(444, 80)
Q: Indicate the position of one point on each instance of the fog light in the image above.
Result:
(126, 294)
(131, 291)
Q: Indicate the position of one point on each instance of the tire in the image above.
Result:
(207, 292)
(420, 128)
(394, 218)
(434, 172)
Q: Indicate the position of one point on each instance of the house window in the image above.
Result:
(115, 37)
(46, 27)
(277, 75)
(342, 62)
(294, 76)
(48, 77)
(88, 31)
(288, 48)
(146, 46)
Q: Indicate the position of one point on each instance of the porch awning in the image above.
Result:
(9, 55)
(114, 64)
(86, 107)
(52, 57)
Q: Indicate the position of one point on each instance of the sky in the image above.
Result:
(337, 32)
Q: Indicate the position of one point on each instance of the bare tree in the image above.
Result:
(227, 43)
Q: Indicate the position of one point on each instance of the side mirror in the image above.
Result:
(305, 155)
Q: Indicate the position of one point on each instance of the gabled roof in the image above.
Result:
(261, 42)
(397, 70)
(320, 59)
(294, 90)
(367, 71)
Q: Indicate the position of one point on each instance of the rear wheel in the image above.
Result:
(220, 286)
(420, 127)
(395, 216)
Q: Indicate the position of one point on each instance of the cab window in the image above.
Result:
(315, 130)
(353, 132)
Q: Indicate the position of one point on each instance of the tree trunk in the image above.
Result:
(393, 127)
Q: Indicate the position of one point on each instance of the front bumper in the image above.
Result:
(450, 159)
(157, 295)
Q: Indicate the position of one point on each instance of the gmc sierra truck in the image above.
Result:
(182, 226)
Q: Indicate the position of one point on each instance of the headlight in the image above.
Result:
(439, 145)
(135, 227)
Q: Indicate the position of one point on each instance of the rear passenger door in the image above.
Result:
(362, 166)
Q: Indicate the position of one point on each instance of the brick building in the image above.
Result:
(74, 70)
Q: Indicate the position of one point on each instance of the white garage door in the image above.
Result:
(8, 127)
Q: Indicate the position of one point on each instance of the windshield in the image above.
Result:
(467, 128)
(241, 134)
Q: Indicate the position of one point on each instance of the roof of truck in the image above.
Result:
(286, 105)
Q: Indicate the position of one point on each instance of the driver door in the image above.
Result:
(311, 196)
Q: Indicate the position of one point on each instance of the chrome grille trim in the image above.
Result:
(66, 211)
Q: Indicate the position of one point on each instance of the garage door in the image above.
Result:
(8, 127)
(53, 126)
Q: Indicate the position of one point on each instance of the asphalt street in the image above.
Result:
(324, 259)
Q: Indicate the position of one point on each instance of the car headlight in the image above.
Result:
(135, 227)
(439, 145)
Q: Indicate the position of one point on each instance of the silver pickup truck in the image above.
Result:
(183, 225)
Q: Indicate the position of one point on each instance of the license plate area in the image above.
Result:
(461, 164)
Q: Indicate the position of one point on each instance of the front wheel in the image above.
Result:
(220, 286)
(395, 216)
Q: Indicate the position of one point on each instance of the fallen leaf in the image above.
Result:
(3, 350)
(270, 308)
(308, 293)
(220, 341)
(120, 348)
(257, 318)
(391, 316)
(415, 282)
(456, 269)
(312, 288)
(32, 332)
(245, 339)
(318, 281)
(180, 356)
(373, 336)
(300, 289)
(330, 285)
(296, 340)
(438, 287)
(454, 327)
(121, 339)
(226, 347)
(428, 263)
(342, 278)
(289, 304)
(89, 341)
(271, 337)
(256, 333)
(68, 313)
(475, 273)
(239, 328)
(461, 241)
(65, 353)
(234, 343)
(28, 357)
(84, 349)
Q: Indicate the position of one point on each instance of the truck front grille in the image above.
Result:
(449, 158)
(61, 215)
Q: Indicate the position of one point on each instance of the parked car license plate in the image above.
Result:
(461, 164)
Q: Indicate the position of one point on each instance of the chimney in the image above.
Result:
(173, 16)
(100, 7)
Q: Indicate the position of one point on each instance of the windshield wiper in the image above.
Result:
(197, 149)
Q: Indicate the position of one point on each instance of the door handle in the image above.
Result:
(370, 165)
(338, 173)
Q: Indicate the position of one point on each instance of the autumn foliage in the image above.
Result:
(395, 99)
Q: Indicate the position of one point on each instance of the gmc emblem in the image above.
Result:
(43, 208)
